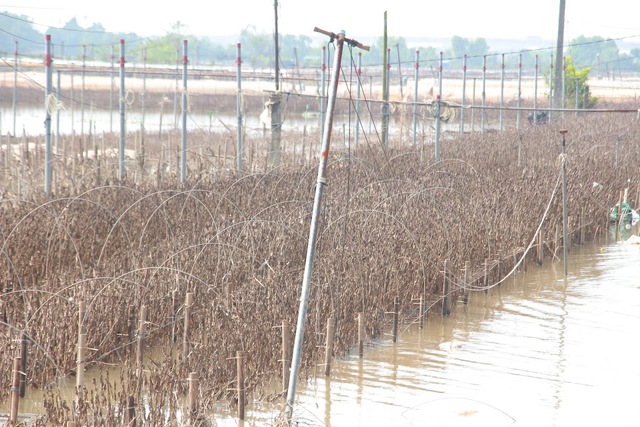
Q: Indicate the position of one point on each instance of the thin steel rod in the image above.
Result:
(121, 170)
(47, 122)
(183, 159)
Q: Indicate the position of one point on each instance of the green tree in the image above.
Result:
(577, 85)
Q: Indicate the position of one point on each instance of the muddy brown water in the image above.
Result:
(536, 350)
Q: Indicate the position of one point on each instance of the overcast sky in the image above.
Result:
(360, 19)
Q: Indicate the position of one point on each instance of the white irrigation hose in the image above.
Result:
(563, 159)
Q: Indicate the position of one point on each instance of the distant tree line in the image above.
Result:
(70, 42)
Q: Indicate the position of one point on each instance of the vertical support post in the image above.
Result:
(15, 393)
(285, 355)
(535, 91)
(185, 108)
(464, 93)
(358, 93)
(564, 84)
(502, 94)
(122, 173)
(617, 164)
(329, 347)
(23, 369)
(565, 243)
(438, 113)
(16, 68)
(142, 335)
(484, 92)
(415, 99)
(385, 87)
(239, 149)
(82, 87)
(58, 94)
(446, 302)
(360, 335)
(47, 122)
(466, 282)
(193, 398)
(396, 305)
(421, 312)
(399, 71)
(131, 411)
(552, 88)
(540, 247)
(519, 91)
(187, 326)
(112, 89)
(241, 390)
(485, 280)
(80, 365)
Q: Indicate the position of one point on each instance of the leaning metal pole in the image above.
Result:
(317, 204)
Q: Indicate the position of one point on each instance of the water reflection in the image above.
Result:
(538, 350)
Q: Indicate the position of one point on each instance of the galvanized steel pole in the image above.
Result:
(15, 87)
(185, 106)
(58, 93)
(502, 95)
(313, 232)
(358, 90)
(535, 91)
(519, 90)
(484, 91)
(47, 122)
(315, 219)
(565, 243)
(438, 106)
(464, 90)
(415, 99)
(122, 173)
(239, 109)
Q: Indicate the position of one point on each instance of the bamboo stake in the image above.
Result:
(396, 305)
(465, 297)
(446, 304)
(23, 370)
(241, 390)
(360, 335)
(328, 347)
(185, 334)
(285, 355)
(15, 392)
(193, 398)
(142, 335)
(80, 366)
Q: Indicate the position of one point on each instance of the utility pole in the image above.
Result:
(557, 94)
(385, 87)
